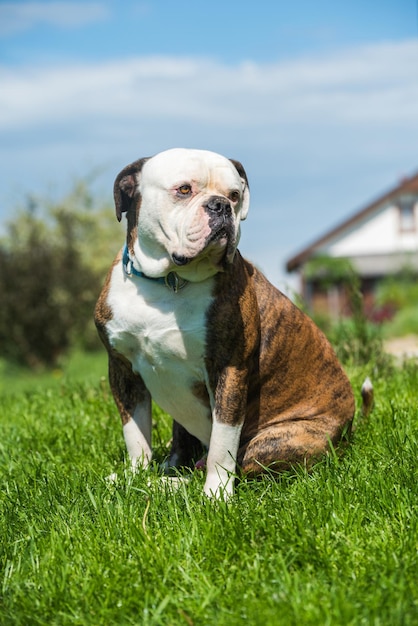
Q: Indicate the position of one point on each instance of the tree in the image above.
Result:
(52, 262)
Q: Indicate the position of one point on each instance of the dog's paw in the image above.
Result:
(219, 489)
(170, 483)
(201, 463)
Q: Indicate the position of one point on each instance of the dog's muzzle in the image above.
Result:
(219, 211)
(221, 224)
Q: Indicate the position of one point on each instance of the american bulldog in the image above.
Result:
(189, 323)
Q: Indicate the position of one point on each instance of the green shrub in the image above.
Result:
(400, 292)
(53, 259)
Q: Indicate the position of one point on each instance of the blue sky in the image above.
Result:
(318, 100)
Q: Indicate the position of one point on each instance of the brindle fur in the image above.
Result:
(267, 361)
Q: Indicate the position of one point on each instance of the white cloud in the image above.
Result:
(368, 85)
(18, 17)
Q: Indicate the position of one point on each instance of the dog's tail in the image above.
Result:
(367, 395)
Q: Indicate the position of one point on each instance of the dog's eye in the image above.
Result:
(234, 196)
(184, 190)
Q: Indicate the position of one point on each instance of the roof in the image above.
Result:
(407, 185)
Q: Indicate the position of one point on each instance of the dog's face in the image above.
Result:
(188, 206)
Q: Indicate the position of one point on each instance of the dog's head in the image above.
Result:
(184, 209)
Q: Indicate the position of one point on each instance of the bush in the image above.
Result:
(357, 344)
(356, 340)
(400, 293)
(51, 270)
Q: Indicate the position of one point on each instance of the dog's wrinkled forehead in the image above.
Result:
(201, 167)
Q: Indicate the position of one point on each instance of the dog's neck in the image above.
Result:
(172, 281)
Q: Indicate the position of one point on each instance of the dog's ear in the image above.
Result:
(125, 186)
(246, 188)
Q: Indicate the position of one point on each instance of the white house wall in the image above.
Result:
(378, 234)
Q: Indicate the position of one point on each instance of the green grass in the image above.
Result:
(336, 547)
(88, 367)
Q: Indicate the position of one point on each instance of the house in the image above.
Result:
(379, 240)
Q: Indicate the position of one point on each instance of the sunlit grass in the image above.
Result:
(338, 546)
(88, 367)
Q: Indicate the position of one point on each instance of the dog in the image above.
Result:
(191, 324)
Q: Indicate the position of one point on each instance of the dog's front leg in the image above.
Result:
(134, 404)
(221, 462)
(229, 402)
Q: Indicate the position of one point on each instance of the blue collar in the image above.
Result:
(173, 281)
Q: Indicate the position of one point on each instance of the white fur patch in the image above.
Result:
(163, 335)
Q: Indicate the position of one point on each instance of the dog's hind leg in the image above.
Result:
(286, 444)
(186, 450)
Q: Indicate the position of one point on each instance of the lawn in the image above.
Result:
(336, 547)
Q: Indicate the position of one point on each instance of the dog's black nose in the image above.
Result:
(218, 204)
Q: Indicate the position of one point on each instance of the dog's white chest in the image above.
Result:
(163, 335)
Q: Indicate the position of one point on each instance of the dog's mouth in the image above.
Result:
(217, 236)
(220, 236)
